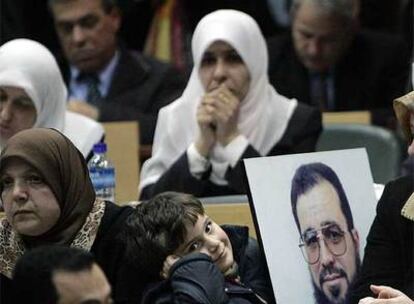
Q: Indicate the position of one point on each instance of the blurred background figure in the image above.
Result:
(174, 22)
(328, 62)
(106, 80)
(228, 112)
(57, 274)
(33, 94)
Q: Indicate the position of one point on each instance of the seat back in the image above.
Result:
(232, 209)
(346, 117)
(123, 149)
(384, 148)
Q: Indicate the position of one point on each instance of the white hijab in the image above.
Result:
(29, 65)
(264, 114)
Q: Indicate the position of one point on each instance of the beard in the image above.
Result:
(335, 291)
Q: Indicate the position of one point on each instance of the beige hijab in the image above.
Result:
(404, 108)
(64, 170)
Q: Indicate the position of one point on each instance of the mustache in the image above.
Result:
(331, 270)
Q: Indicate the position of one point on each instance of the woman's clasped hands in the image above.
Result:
(217, 116)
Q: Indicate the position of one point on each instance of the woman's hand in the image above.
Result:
(226, 115)
(386, 295)
(168, 263)
(217, 117)
(207, 126)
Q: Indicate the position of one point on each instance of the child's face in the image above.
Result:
(207, 237)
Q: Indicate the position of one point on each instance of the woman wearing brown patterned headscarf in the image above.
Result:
(48, 198)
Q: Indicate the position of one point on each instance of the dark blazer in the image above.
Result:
(370, 75)
(196, 279)
(389, 254)
(140, 86)
(300, 136)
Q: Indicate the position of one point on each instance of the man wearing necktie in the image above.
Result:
(329, 62)
(106, 81)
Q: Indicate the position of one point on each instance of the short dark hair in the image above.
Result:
(157, 228)
(33, 273)
(308, 176)
(107, 5)
(342, 8)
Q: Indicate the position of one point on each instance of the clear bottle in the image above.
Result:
(102, 173)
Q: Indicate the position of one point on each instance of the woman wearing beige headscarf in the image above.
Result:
(48, 198)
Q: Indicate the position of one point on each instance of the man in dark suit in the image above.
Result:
(106, 81)
(327, 62)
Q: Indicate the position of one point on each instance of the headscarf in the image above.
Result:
(403, 109)
(264, 114)
(29, 65)
(64, 170)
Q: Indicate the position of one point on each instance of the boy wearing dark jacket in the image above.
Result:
(171, 238)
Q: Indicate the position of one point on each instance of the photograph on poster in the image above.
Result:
(313, 212)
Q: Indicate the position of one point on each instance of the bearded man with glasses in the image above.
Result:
(328, 239)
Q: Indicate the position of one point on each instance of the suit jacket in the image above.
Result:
(300, 136)
(140, 87)
(369, 76)
(389, 254)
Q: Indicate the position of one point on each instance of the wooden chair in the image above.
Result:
(230, 210)
(123, 146)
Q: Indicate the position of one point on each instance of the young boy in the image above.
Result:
(171, 237)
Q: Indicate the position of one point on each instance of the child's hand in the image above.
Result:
(168, 263)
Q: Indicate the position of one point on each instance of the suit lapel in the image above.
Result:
(130, 72)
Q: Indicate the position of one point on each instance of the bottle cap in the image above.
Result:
(99, 147)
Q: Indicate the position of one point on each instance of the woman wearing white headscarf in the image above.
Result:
(228, 112)
(33, 94)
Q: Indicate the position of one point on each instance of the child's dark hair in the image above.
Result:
(158, 227)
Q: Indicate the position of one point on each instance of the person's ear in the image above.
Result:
(355, 238)
(115, 17)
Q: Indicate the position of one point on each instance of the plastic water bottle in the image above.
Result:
(102, 173)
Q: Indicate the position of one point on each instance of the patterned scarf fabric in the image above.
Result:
(12, 246)
(64, 170)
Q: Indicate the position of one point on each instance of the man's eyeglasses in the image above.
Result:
(333, 237)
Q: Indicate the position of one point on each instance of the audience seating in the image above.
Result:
(123, 147)
(346, 117)
(384, 148)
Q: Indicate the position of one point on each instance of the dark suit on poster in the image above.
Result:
(140, 86)
(371, 74)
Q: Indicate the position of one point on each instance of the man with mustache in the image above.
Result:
(328, 239)
(116, 83)
(329, 62)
